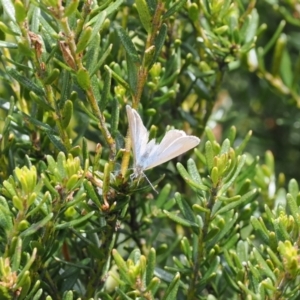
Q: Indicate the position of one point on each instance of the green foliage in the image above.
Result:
(73, 224)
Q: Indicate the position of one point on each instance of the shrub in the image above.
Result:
(74, 225)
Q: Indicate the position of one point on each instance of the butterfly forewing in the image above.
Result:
(138, 134)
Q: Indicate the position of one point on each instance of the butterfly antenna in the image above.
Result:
(132, 176)
(150, 184)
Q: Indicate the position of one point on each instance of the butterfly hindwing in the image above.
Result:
(174, 143)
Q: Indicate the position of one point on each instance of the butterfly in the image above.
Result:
(148, 154)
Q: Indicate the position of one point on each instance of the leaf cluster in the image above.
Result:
(72, 223)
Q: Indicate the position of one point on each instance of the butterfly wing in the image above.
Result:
(174, 143)
(138, 133)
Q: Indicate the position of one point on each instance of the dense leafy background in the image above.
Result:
(224, 225)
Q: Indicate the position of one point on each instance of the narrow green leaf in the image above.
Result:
(186, 248)
(231, 241)
(48, 32)
(71, 8)
(231, 280)
(106, 91)
(214, 175)
(91, 192)
(8, 7)
(54, 74)
(67, 85)
(152, 6)
(25, 82)
(213, 267)
(56, 141)
(4, 203)
(249, 29)
(5, 218)
(193, 171)
(278, 55)
(174, 8)
(187, 178)
(185, 208)
(83, 78)
(244, 143)
(9, 45)
(128, 45)
(225, 146)
(209, 155)
(153, 285)
(115, 117)
(231, 134)
(37, 296)
(85, 152)
(293, 188)
(34, 291)
(123, 295)
(51, 163)
(210, 135)
(103, 56)
(50, 188)
(274, 38)
(242, 251)
(76, 222)
(171, 292)
(122, 266)
(36, 226)
(40, 125)
(256, 275)
(200, 209)
(67, 114)
(163, 196)
(247, 172)
(165, 97)
(20, 11)
(60, 165)
(9, 31)
(92, 53)
(247, 291)
(263, 266)
(230, 222)
(132, 71)
(261, 230)
(280, 230)
(68, 295)
(144, 14)
(180, 220)
(250, 196)
(151, 261)
(163, 275)
(25, 270)
(17, 255)
(113, 7)
(95, 81)
(25, 286)
(84, 38)
(212, 233)
(293, 208)
(118, 78)
(97, 23)
(240, 164)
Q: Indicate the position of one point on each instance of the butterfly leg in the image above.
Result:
(133, 176)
